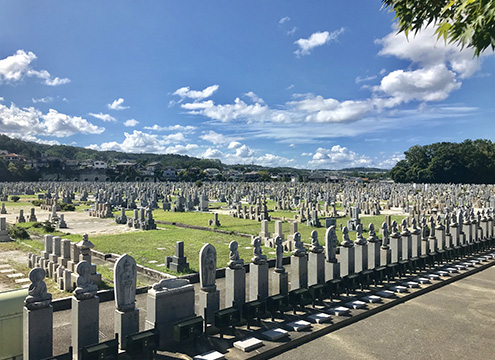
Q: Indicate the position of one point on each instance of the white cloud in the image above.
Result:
(181, 149)
(131, 123)
(338, 157)
(234, 145)
(185, 129)
(243, 151)
(361, 79)
(186, 92)
(26, 122)
(284, 20)
(139, 142)
(103, 117)
(255, 98)
(228, 112)
(217, 138)
(117, 105)
(211, 153)
(45, 100)
(2, 99)
(15, 67)
(316, 39)
(292, 31)
(390, 162)
(428, 84)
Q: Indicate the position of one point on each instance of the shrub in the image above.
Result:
(18, 233)
(46, 225)
(37, 202)
(67, 207)
(15, 198)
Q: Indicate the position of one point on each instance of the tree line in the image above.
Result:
(469, 162)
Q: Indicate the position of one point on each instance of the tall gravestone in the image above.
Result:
(281, 276)
(37, 318)
(346, 254)
(360, 250)
(373, 248)
(299, 264)
(316, 267)
(235, 279)
(85, 310)
(126, 313)
(332, 267)
(209, 296)
(258, 273)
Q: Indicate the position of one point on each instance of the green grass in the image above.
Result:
(143, 245)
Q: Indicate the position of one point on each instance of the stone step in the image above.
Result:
(7, 271)
(22, 281)
(16, 275)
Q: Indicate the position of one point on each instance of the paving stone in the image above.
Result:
(320, 318)
(441, 273)
(16, 275)
(372, 299)
(299, 325)
(7, 271)
(398, 288)
(385, 293)
(275, 334)
(4, 266)
(211, 355)
(410, 284)
(23, 280)
(248, 344)
(356, 304)
(421, 280)
(339, 310)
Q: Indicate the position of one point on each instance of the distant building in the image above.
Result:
(11, 157)
(252, 175)
(98, 164)
(169, 173)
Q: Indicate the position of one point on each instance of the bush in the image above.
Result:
(46, 225)
(15, 198)
(37, 202)
(18, 233)
(67, 207)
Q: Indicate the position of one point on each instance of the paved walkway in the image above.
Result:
(456, 321)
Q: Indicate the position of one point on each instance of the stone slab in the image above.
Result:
(23, 280)
(210, 355)
(372, 299)
(385, 293)
(398, 289)
(356, 304)
(248, 344)
(410, 284)
(17, 275)
(433, 276)
(451, 270)
(275, 334)
(339, 310)
(441, 273)
(320, 318)
(299, 325)
(421, 280)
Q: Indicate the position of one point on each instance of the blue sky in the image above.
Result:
(326, 84)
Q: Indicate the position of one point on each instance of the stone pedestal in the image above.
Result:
(346, 259)
(406, 247)
(282, 282)
(167, 305)
(373, 255)
(316, 268)
(385, 256)
(126, 323)
(415, 244)
(84, 323)
(298, 272)
(38, 333)
(209, 302)
(432, 245)
(235, 287)
(258, 281)
(332, 270)
(361, 257)
(396, 248)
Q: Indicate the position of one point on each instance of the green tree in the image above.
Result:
(466, 22)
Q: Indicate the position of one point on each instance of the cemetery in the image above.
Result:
(228, 270)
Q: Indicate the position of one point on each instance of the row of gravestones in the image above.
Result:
(60, 257)
(170, 302)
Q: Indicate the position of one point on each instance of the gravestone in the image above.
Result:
(258, 273)
(346, 254)
(209, 296)
(178, 262)
(299, 264)
(282, 278)
(235, 279)
(316, 267)
(332, 267)
(126, 313)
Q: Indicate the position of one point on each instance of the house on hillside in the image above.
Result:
(169, 173)
(251, 176)
(12, 157)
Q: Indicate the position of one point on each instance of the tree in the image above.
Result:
(469, 23)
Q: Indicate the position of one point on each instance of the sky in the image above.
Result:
(315, 85)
